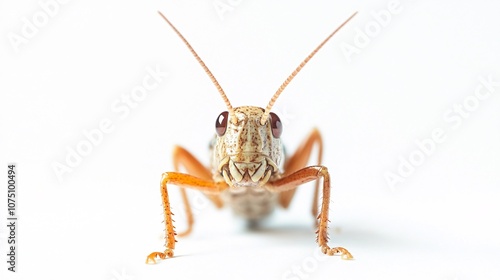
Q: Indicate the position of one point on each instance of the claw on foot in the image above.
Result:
(344, 253)
(151, 259)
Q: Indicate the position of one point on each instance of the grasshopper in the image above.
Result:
(248, 169)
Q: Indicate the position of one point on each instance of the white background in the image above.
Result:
(103, 218)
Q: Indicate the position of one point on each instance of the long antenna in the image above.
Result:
(297, 70)
(210, 75)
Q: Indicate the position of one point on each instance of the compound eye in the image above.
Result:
(276, 126)
(221, 123)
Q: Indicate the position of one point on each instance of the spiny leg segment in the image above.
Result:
(303, 176)
(299, 160)
(182, 180)
(183, 158)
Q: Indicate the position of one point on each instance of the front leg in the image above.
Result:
(182, 180)
(303, 176)
(183, 158)
(299, 160)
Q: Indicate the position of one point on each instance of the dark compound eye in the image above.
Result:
(221, 123)
(276, 126)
